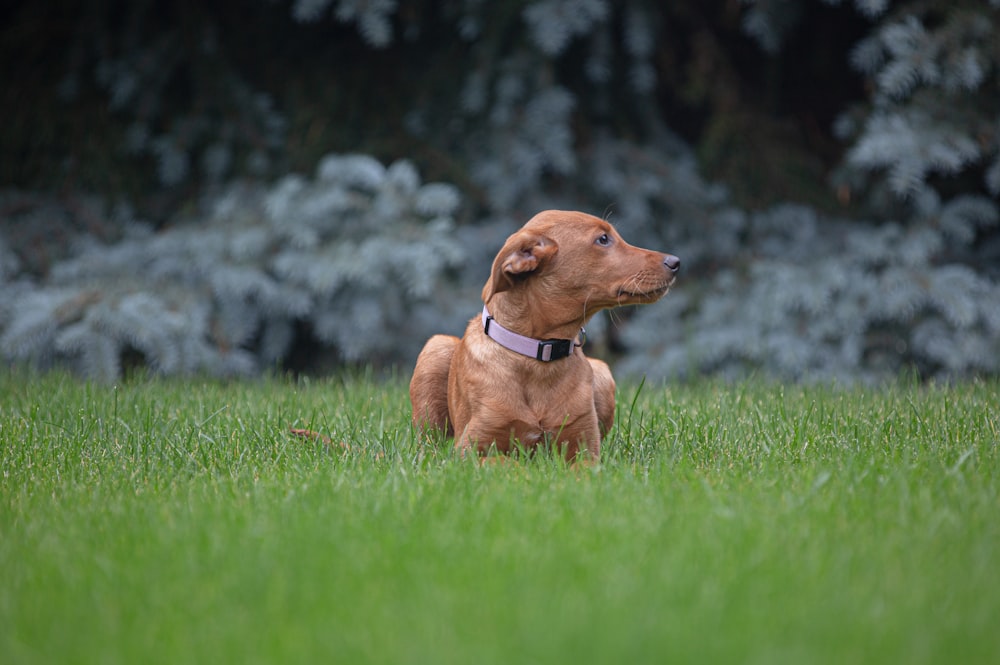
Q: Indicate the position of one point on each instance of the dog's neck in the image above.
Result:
(532, 315)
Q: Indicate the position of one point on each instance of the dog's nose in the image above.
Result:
(672, 262)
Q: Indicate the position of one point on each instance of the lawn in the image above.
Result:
(177, 522)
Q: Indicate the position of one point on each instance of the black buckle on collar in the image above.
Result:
(554, 349)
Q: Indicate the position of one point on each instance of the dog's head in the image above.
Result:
(569, 259)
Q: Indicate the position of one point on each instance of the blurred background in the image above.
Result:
(232, 187)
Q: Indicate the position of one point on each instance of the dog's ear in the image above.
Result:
(523, 254)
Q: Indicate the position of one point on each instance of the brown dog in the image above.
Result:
(519, 376)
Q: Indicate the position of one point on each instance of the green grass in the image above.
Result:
(177, 522)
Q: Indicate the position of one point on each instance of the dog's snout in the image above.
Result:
(672, 262)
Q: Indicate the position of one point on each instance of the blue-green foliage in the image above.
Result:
(357, 252)
(817, 299)
(372, 17)
(805, 296)
(237, 130)
(935, 109)
(353, 253)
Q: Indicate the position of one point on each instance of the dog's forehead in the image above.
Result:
(553, 221)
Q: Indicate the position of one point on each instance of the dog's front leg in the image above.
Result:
(583, 443)
(604, 395)
(477, 439)
(488, 434)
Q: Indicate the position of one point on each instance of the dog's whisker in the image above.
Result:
(615, 320)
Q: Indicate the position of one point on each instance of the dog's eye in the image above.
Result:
(604, 240)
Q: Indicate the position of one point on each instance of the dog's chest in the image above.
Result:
(549, 424)
(531, 434)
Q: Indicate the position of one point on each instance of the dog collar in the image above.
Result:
(545, 350)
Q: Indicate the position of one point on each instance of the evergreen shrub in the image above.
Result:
(811, 298)
(351, 255)
(552, 104)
